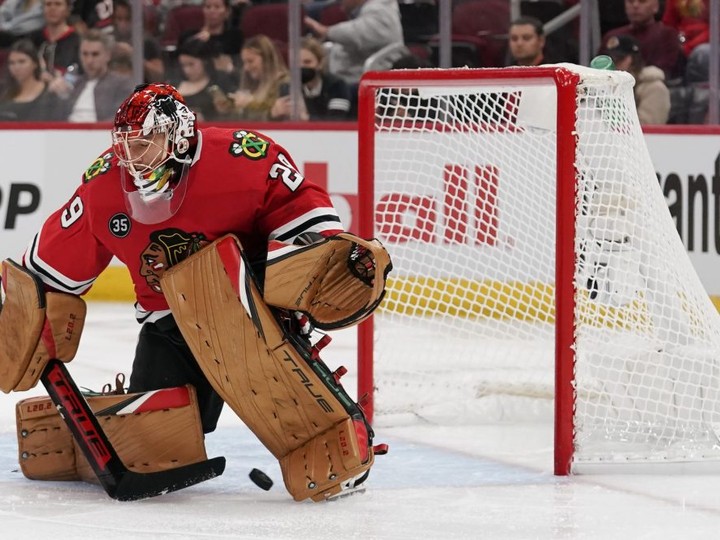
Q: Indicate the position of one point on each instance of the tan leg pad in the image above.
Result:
(269, 382)
(45, 445)
(34, 327)
(318, 468)
(157, 438)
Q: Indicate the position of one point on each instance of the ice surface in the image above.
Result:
(438, 482)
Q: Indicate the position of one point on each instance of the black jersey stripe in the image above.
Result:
(34, 265)
(303, 227)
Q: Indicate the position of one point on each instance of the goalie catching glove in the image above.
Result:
(272, 378)
(337, 282)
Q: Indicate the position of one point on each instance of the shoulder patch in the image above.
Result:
(249, 145)
(100, 166)
(120, 225)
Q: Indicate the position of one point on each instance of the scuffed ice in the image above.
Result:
(489, 481)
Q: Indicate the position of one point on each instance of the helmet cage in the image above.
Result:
(132, 147)
(140, 118)
(154, 138)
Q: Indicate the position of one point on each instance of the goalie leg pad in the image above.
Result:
(320, 467)
(288, 399)
(45, 445)
(34, 327)
(151, 431)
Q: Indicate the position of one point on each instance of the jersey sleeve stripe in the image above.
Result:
(143, 315)
(317, 220)
(318, 225)
(49, 275)
(339, 104)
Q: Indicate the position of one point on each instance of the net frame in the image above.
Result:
(566, 84)
(566, 79)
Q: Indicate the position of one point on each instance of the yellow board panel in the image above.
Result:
(113, 285)
(410, 296)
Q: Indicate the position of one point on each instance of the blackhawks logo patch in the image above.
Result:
(167, 247)
(100, 166)
(246, 143)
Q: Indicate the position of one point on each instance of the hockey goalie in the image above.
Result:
(236, 259)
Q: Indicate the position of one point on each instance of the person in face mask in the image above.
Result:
(325, 96)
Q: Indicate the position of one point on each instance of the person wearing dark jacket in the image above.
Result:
(327, 97)
(57, 41)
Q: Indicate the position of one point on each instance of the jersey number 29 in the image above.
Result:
(284, 169)
(72, 213)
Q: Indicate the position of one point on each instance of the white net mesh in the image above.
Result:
(465, 200)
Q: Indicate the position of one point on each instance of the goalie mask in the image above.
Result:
(154, 137)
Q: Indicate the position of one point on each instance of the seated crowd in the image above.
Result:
(73, 61)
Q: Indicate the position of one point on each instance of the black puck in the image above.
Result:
(260, 479)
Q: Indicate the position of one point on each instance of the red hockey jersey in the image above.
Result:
(240, 182)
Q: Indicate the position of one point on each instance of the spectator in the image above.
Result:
(652, 97)
(57, 41)
(153, 64)
(27, 97)
(612, 14)
(371, 25)
(263, 72)
(92, 15)
(326, 97)
(692, 20)
(98, 91)
(698, 64)
(199, 81)
(659, 43)
(121, 59)
(527, 42)
(218, 30)
(18, 18)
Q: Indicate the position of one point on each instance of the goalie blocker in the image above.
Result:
(270, 376)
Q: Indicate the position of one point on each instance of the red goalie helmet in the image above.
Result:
(154, 138)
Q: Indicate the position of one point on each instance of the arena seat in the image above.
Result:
(562, 44)
(268, 19)
(179, 20)
(332, 14)
(419, 20)
(479, 34)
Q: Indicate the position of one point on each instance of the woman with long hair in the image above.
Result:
(263, 73)
(26, 98)
(692, 20)
(199, 81)
(324, 95)
(219, 30)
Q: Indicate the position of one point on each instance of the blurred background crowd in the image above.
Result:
(72, 60)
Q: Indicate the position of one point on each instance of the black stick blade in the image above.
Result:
(134, 486)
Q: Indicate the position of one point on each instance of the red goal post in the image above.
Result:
(530, 237)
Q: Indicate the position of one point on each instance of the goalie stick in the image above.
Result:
(119, 482)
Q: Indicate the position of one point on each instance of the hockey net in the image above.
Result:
(537, 269)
